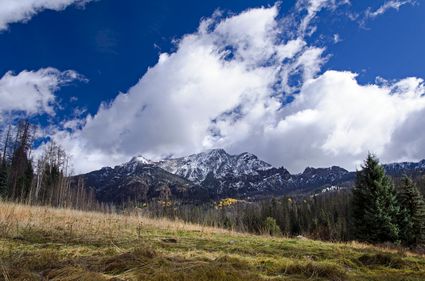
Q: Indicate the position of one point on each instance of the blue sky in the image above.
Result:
(109, 45)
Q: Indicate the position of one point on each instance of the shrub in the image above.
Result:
(271, 227)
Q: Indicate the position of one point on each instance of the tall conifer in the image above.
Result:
(375, 206)
(412, 213)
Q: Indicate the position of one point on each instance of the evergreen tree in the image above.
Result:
(375, 206)
(412, 213)
(4, 166)
(3, 181)
(19, 177)
(271, 227)
(27, 180)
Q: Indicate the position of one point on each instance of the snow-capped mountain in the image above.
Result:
(397, 169)
(139, 180)
(318, 177)
(216, 174)
(241, 175)
(246, 175)
(140, 160)
(219, 163)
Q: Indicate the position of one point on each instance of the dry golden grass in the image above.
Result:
(40, 243)
(15, 217)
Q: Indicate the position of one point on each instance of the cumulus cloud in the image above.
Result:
(32, 92)
(13, 11)
(226, 86)
(335, 120)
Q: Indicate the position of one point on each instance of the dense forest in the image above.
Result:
(379, 209)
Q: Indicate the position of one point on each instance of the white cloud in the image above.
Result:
(13, 11)
(224, 86)
(32, 92)
(337, 38)
(388, 5)
(312, 7)
(335, 120)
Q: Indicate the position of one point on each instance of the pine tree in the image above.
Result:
(4, 166)
(375, 206)
(27, 180)
(412, 213)
(19, 177)
(3, 181)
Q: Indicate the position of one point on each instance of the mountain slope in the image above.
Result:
(397, 169)
(242, 175)
(215, 174)
(219, 163)
(140, 180)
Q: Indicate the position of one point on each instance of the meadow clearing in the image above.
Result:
(42, 243)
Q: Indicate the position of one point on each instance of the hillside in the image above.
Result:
(39, 243)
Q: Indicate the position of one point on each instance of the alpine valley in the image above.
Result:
(215, 174)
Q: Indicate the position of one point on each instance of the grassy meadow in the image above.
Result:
(40, 243)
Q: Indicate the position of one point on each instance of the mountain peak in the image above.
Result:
(335, 169)
(216, 161)
(216, 151)
(141, 159)
(247, 155)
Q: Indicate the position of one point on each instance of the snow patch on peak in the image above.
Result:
(217, 162)
(142, 160)
(397, 168)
